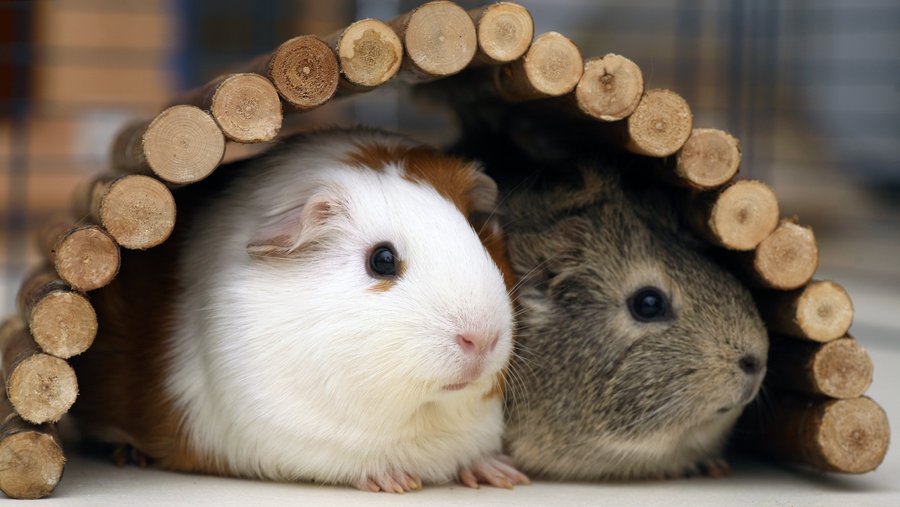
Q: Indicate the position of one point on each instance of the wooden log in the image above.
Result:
(849, 436)
(551, 68)
(246, 106)
(837, 369)
(61, 321)
(822, 311)
(41, 387)
(31, 457)
(85, 257)
(610, 88)
(136, 210)
(369, 52)
(785, 260)
(504, 32)
(737, 217)
(181, 145)
(709, 159)
(439, 40)
(304, 70)
(659, 126)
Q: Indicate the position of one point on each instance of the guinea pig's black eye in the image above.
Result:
(649, 304)
(383, 262)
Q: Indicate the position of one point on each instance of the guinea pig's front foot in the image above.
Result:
(391, 482)
(497, 470)
(714, 467)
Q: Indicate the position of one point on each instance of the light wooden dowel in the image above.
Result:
(31, 457)
(737, 217)
(61, 321)
(369, 52)
(837, 369)
(848, 436)
(551, 67)
(439, 40)
(41, 387)
(785, 260)
(246, 106)
(137, 211)
(708, 159)
(822, 311)
(660, 124)
(610, 88)
(86, 257)
(304, 70)
(504, 32)
(181, 145)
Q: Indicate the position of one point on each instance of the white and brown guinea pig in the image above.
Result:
(330, 315)
(636, 353)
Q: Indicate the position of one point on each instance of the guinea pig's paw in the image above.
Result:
(496, 470)
(714, 467)
(391, 482)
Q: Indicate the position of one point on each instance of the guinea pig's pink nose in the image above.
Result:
(477, 344)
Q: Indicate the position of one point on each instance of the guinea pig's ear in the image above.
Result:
(539, 256)
(482, 193)
(285, 234)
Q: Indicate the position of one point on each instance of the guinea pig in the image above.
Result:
(635, 354)
(330, 313)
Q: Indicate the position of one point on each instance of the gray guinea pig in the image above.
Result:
(636, 354)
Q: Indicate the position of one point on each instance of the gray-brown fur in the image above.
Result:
(593, 393)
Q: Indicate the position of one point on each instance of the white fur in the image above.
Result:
(297, 370)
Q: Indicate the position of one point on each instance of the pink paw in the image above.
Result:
(496, 470)
(395, 482)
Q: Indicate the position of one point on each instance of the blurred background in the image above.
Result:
(811, 87)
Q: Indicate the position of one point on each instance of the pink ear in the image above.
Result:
(285, 234)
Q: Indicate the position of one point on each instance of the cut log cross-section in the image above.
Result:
(31, 457)
(181, 145)
(785, 260)
(822, 311)
(610, 88)
(837, 369)
(439, 40)
(304, 70)
(369, 53)
(708, 159)
(86, 257)
(504, 32)
(551, 67)
(61, 321)
(136, 210)
(246, 106)
(41, 387)
(737, 217)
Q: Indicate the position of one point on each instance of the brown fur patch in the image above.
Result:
(121, 377)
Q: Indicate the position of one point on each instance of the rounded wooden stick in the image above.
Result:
(785, 260)
(708, 159)
(822, 311)
(61, 321)
(660, 124)
(369, 53)
(31, 457)
(439, 38)
(837, 369)
(738, 217)
(246, 106)
(181, 145)
(551, 67)
(504, 32)
(304, 70)
(85, 257)
(848, 436)
(610, 88)
(136, 210)
(40, 387)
